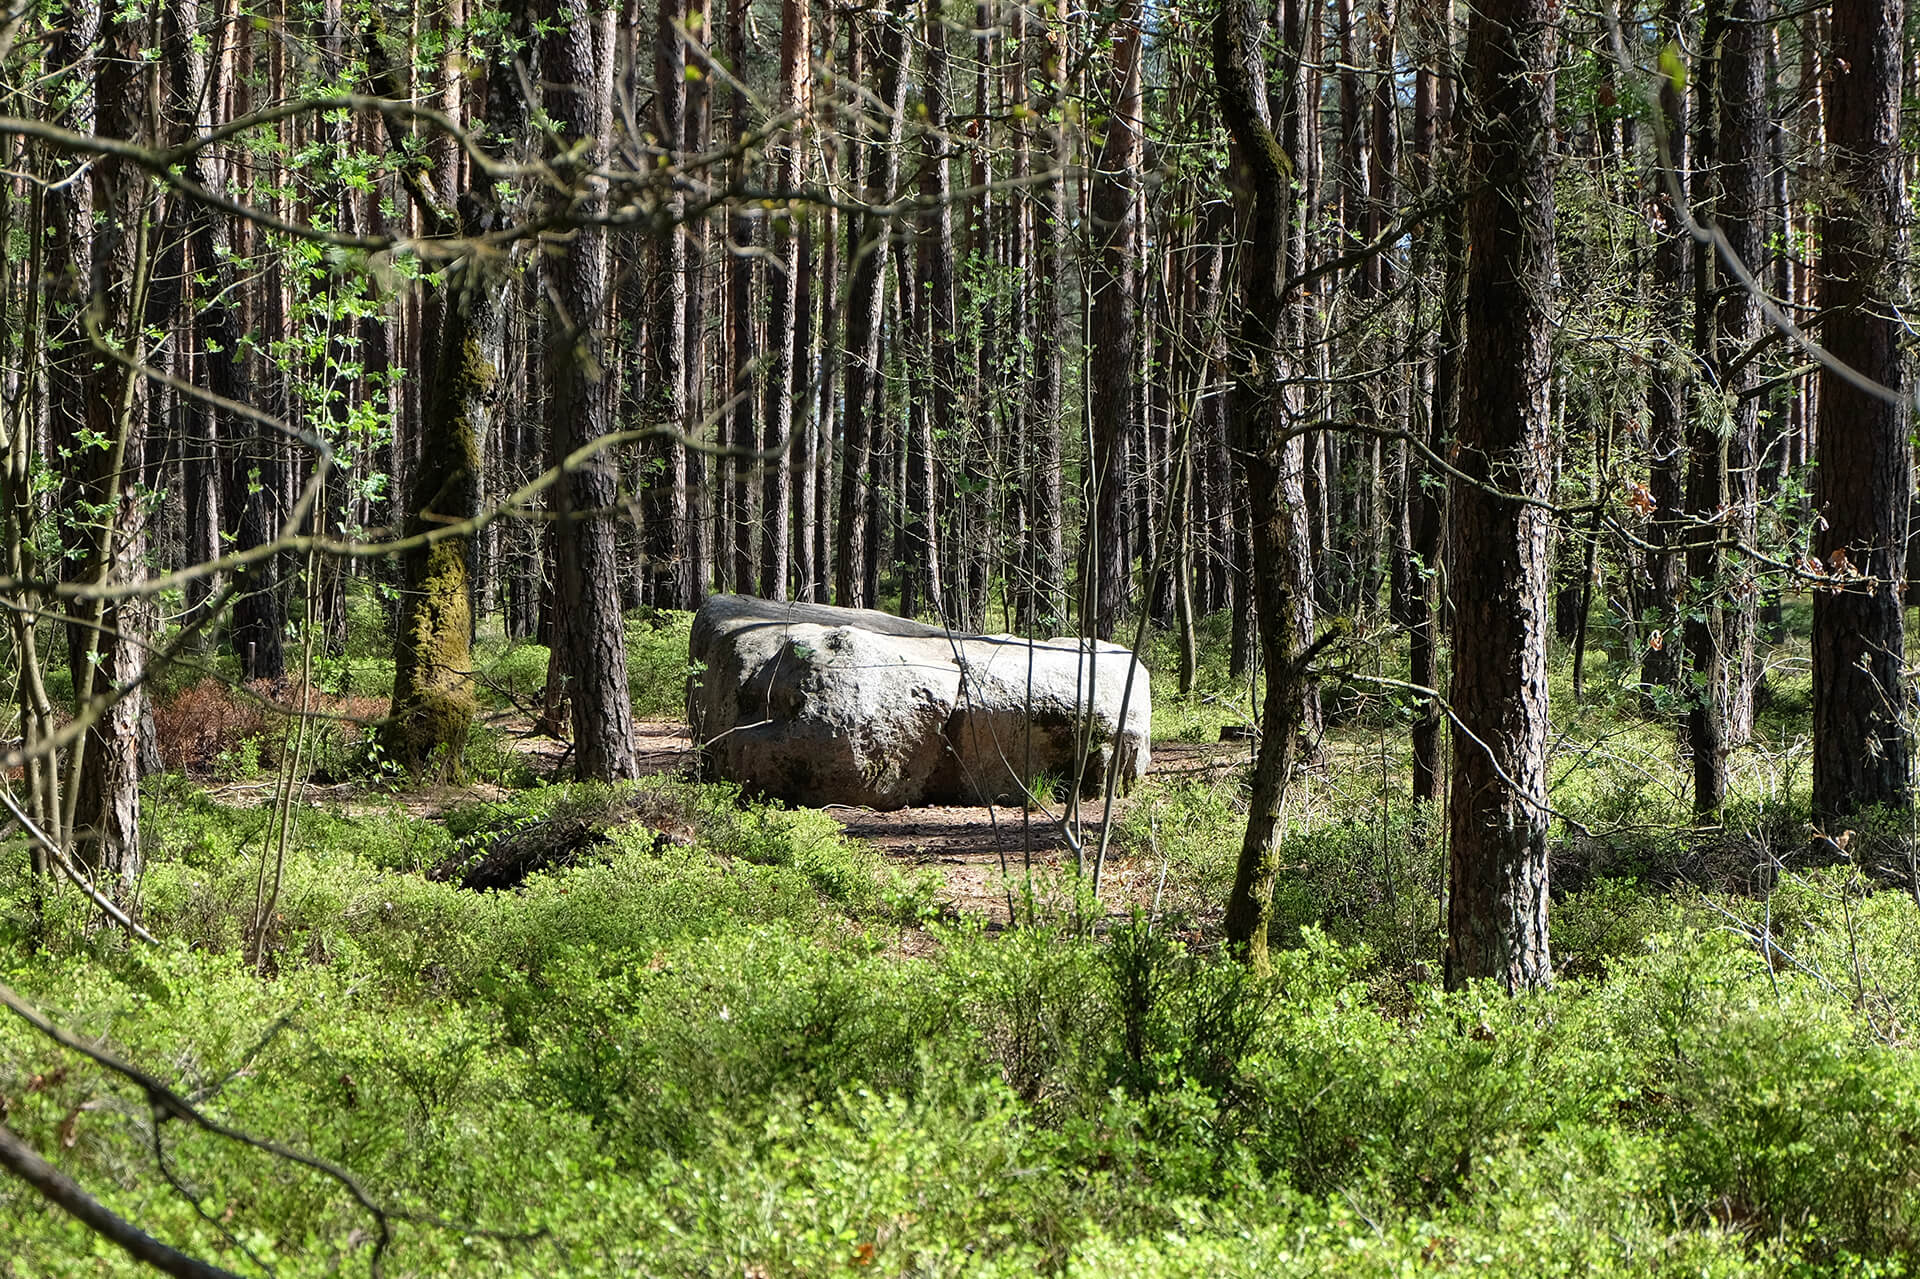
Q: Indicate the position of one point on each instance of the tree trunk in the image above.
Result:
(743, 343)
(1861, 742)
(933, 413)
(578, 98)
(1260, 415)
(1113, 379)
(112, 656)
(663, 499)
(855, 551)
(1667, 385)
(1045, 579)
(1497, 894)
(1424, 483)
(699, 506)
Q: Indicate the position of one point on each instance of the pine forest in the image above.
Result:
(958, 637)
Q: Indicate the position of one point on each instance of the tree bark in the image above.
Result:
(920, 582)
(855, 550)
(1861, 703)
(110, 659)
(1045, 578)
(1113, 381)
(1497, 897)
(744, 338)
(1667, 385)
(663, 500)
(1260, 414)
(784, 301)
(578, 99)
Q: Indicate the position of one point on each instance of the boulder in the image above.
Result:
(819, 705)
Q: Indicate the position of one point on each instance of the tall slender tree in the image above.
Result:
(1113, 377)
(784, 305)
(110, 652)
(1259, 418)
(663, 502)
(868, 251)
(577, 98)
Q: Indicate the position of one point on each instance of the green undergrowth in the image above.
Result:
(707, 1047)
(716, 1037)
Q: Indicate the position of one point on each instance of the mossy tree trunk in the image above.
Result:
(433, 700)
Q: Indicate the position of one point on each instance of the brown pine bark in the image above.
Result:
(577, 97)
(1861, 703)
(111, 655)
(1667, 387)
(784, 302)
(743, 341)
(1424, 483)
(1045, 576)
(1497, 898)
(921, 589)
(701, 559)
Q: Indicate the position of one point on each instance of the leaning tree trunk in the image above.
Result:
(1861, 739)
(1497, 898)
(578, 99)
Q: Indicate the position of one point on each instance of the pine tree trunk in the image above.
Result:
(1259, 415)
(934, 411)
(856, 552)
(1045, 579)
(1497, 896)
(1861, 703)
(701, 565)
(112, 657)
(577, 97)
(1667, 388)
(1113, 380)
(743, 341)
(663, 499)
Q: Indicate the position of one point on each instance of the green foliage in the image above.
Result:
(724, 1039)
(657, 646)
(1216, 699)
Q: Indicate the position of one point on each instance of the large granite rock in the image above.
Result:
(819, 705)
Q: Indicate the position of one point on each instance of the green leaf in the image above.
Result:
(1672, 67)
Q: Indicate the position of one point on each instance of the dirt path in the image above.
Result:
(975, 850)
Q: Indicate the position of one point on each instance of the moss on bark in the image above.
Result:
(433, 699)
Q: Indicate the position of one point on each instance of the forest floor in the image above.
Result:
(974, 852)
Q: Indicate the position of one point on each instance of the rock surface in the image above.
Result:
(819, 705)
